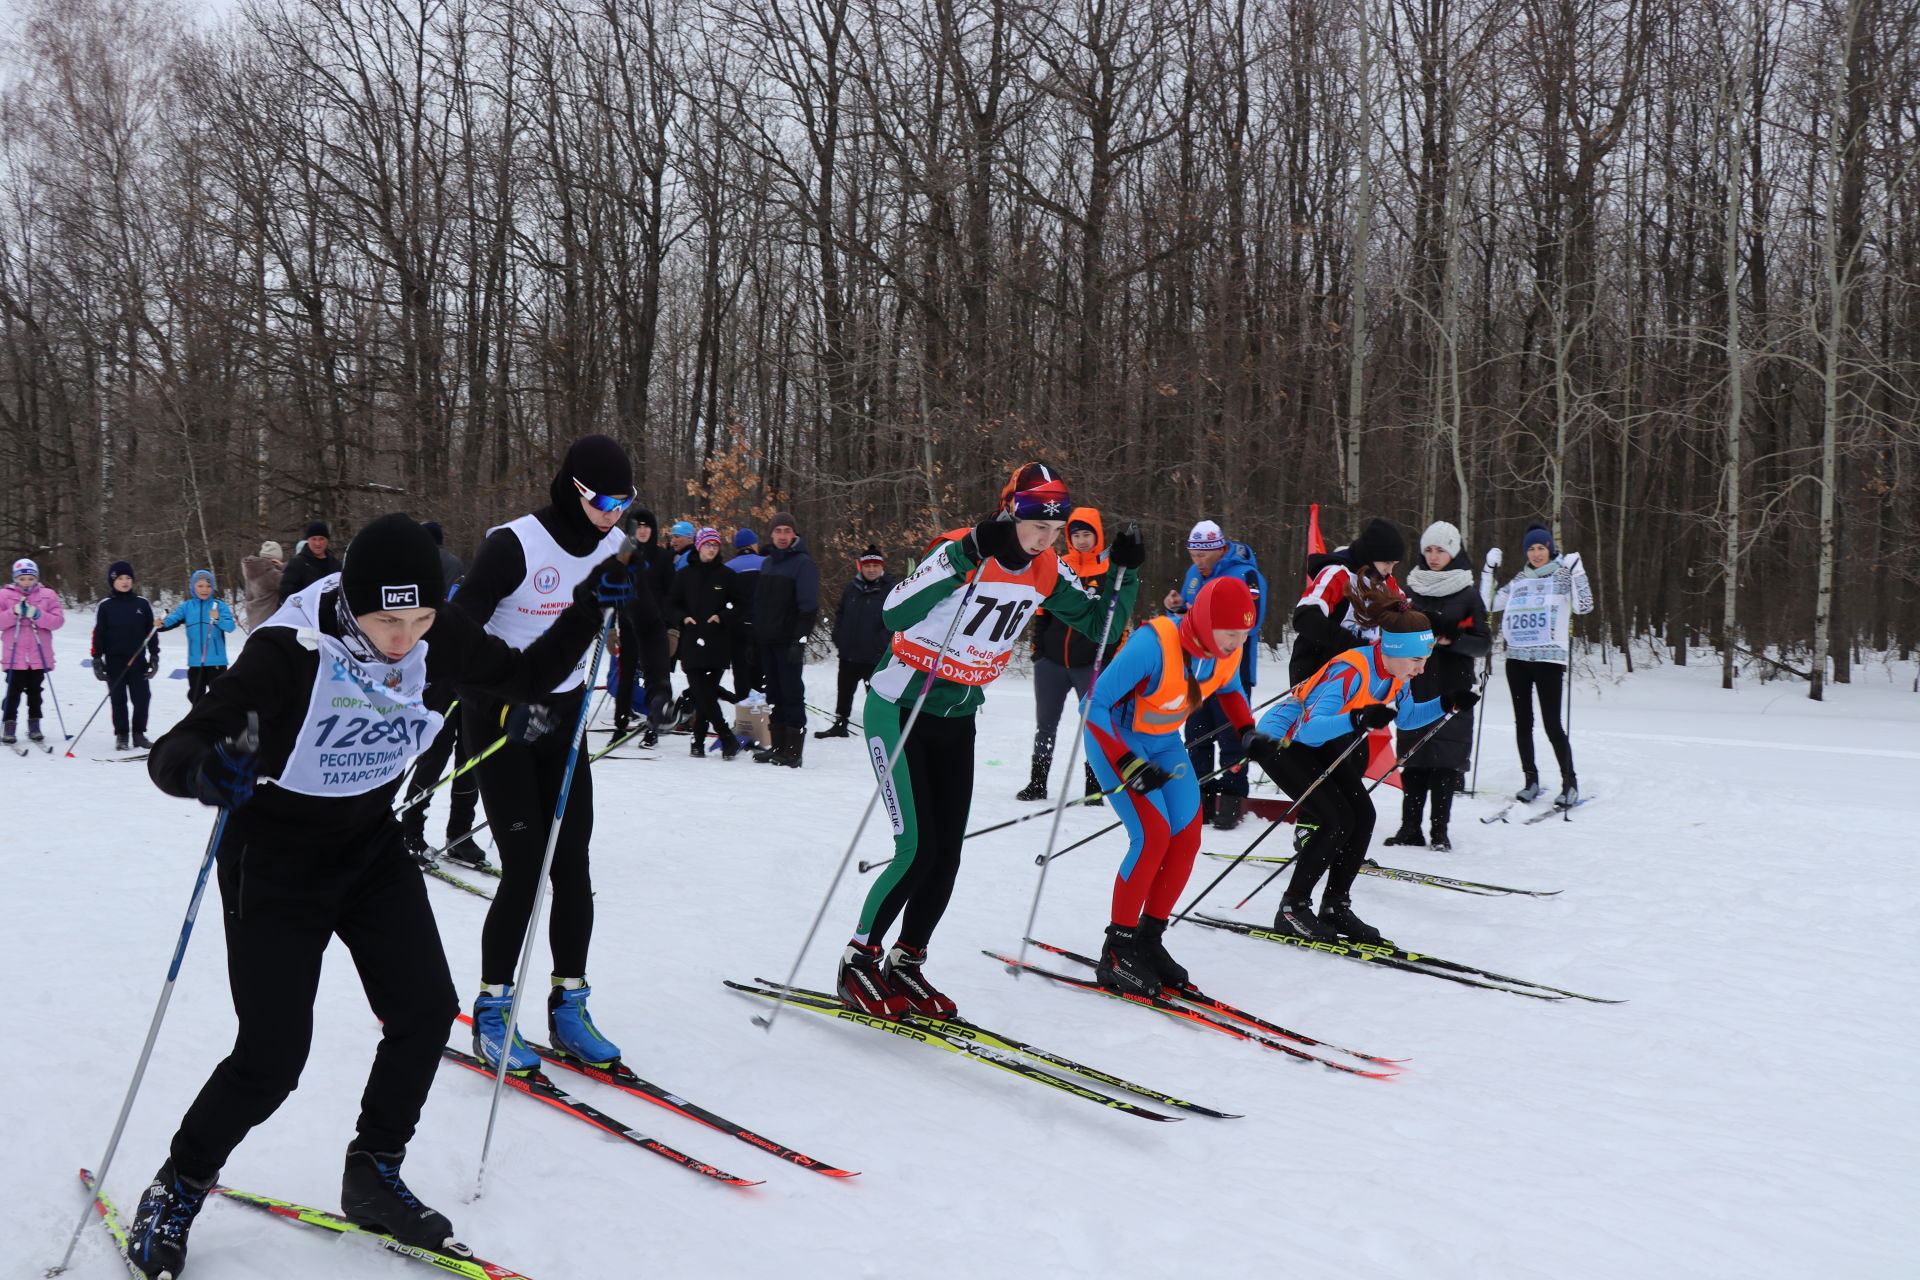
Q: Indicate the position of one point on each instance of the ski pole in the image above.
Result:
(471, 763)
(880, 786)
(1073, 755)
(540, 885)
(250, 743)
(1358, 738)
(1115, 826)
(1370, 790)
(116, 679)
(48, 668)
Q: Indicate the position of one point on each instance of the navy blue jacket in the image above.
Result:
(786, 597)
(859, 632)
(121, 622)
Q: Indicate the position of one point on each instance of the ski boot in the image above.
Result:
(572, 1026)
(649, 736)
(490, 1029)
(157, 1241)
(373, 1196)
(902, 972)
(466, 852)
(729, 744)
(1296, 919)
(1036, 788)
(1152, 948)
(1124, 967)
(862, 983)
(1569, 793)
(1532, 791)
(1094, 789)
(838, 729)
(1337, 918)
(120, 742)
(7, 735)
(33, 732)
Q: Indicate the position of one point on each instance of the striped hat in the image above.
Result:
(1206, 536)
(707, 538)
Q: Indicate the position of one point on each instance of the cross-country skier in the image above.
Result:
(1538, 605)
(334, 683)
(1008, 561)
(208, 622)
(1165, 672)
(1359, 690)
(519, 583)
(29, 615)
(1223, 798)
(126, 655)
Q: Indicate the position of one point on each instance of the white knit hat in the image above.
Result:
(1443, 535)
(271, 550)
(1206, 536)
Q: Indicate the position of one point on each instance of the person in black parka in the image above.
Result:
(313, 561)
(1351, 590)
(642, 660)
(1443, 590)
(700, 603)
(786, 604)
(860, 633)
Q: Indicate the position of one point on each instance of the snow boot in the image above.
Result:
(1226, 811)
(1036, 788)
(1569, 793)
(490, 1029)
(777, 739)
(572, 1026)
(903, 974)
(1208, 799)
(1094, 789)
(796, 747)
(7, 735)
(729, 744)
(1442, 812)
(838, 729)
(862, 983)
(1296, 919)
(1412, 801)
(1532, 791)
(1152, 948)
(140, 742)
(33, 732)
(157, 1241)
(1123, 966)
(1337, 918)
(119, 742)
(698, 748)
(649, 735)
(373, 1196)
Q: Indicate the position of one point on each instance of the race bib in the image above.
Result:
(1537, 616)
(364, 723)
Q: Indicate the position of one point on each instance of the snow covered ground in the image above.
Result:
(1744, 879)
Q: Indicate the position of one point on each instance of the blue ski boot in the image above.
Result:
(157, 1242)
(490, 1028)
(572, 1026)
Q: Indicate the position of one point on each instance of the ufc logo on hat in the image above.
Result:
(407, 597)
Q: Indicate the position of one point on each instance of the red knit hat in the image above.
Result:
(1224, 603)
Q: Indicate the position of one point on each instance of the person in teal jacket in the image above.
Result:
(208, 622)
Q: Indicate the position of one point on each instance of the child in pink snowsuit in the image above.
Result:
(29, 615)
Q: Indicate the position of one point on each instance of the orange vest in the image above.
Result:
(1165, 707)
(1352, 660)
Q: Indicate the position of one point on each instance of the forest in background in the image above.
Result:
(1647, 269)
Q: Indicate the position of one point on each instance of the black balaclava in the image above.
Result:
(597, 462)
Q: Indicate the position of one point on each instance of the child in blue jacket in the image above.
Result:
(208, 622)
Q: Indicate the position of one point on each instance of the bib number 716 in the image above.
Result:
(1012, 616)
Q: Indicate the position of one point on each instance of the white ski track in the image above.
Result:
(1702, 1129)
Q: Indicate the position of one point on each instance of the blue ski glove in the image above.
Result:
(225, 777)
(610, 584)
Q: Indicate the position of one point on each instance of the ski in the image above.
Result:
(460, 1264)
(538, 1087)
(110, 1219)
(1372, 868)
(113, 759)
(1201, 1000)
(995, 1040)
(1168, 1007)
(1558, 811)
(1505, 809)
(1401, 958)
(439, 873)
(952, 1043)
(620, 1076)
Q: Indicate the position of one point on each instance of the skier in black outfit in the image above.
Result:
(316, 853)
(702, 601)
(1443, 590)
(311, 563)
(520, 573)
(126, 654)
(860, 634)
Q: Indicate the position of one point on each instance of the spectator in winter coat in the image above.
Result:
(262, 573)
(702, 602)
(860, 634)
(1350, 591)
(208, 621)
(126, 654)
(1063, 657)
(746, 565)
(643, 660)
(1539, 603)
(311, 563)
(786, 604)
(680, 539)
(1442, 588)
(29, 615)
(1222, 798)
(451, 570)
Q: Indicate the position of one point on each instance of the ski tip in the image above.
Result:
(839, 1173)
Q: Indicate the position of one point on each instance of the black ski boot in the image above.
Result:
(373, 1196)
(1337, 918)
(466, 851)
(838, 729)
(1036, 788)
(1094, 790)
(1208, 800)
(1226, 811)
(416, 846)
(649, 735)
(1296, 919)
(1412, 800)
(140, 742)
(119, 742)
(157, 1241)
(698, 747)
(1152, 948)
(1569, 793)
(1123, 967)
(1442, 812)
(1532, 791)
(904, 975)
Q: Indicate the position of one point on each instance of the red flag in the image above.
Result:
(1316, 545)
(1380, 757)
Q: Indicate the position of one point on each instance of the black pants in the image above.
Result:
(1549, 678)
(1051, 683)
(786, 682)
(1335, 825)
(1417, 784)
(279, 922)
(130, 687)
(200, 679)
(852, 674)
(937, 762)
(520, 785)
(1203, 722)
(704, 688)
(747, 675)
(451, 744)
(28, 683)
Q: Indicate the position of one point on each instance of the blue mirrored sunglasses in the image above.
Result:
(601, 502)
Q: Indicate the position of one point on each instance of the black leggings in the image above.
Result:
(28, 683)
(277, 931)
(519, 785)
(1550, 679)
(1335, 825)
(704, 688)
(451, 744)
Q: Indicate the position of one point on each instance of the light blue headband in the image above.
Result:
(1406, 644)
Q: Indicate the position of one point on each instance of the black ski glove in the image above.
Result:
(527, 722)
(1129, 549)
(995, 539)
(1378, 715)
(1459, 700)
(100, 669)
(225, 777)
(1262, 748)
(610, 583)
(1141, 776)
(153, 666)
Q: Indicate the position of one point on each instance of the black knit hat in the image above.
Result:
(783, 519)
(643, 516)
(392, 563)
(1379, 540)
(316, 529)
(117, 568)
(435, 532)
(870, 556)
(599, 463)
